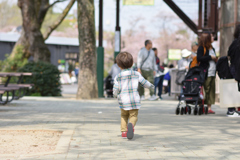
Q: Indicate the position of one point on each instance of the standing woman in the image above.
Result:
(234, 51)
(234, 54)
(237, 78)
(207, 57)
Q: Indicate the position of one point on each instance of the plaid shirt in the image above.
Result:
(126, 88)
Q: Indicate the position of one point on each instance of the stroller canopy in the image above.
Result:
(196, 74)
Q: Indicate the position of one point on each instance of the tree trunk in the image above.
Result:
(31, 36)
(87, 78)
(31, 40)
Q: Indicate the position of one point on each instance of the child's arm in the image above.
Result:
(115, 87)
(144, 83)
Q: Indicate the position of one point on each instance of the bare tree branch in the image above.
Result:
(20, 3)
(59, 20)
(41, 9)
(54, 3)
(133, 23)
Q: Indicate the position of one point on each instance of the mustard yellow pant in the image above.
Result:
(131, 115)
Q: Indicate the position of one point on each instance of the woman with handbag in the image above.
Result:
(206, 56)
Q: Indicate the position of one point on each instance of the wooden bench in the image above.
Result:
(13, 88)
(7, 90)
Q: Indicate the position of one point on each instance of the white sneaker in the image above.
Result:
(233, 114)
(142, 98)
(153, 98)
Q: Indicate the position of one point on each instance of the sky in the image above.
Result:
(147, 14)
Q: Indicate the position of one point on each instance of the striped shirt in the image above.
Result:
(126, 88)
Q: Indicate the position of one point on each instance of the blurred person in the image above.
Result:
(108, 82)
(73, 77)
(115, 70)
(183, 64)
(76, 71)
(159, 76)
(237, 57)
(167, 77)
(234, 54)
(234, 51)
(194, 48)
(146, 64)
(134, 67)
(207, 57)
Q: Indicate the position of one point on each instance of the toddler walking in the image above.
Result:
(126, 90)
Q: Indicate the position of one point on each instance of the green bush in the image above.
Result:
(12, 64)
(46, 79)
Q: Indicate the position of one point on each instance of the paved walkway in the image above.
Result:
(159, 133)
(69, 89)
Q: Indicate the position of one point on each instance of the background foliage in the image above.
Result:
(12, 64)
(46, 79)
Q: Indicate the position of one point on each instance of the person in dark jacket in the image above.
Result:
(234, 54)
(207, 58)
(234, 51)
(237, 76)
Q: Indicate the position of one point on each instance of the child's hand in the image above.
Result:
(139, 70)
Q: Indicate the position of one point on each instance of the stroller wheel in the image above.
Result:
(206, 110)
(177, 111)
(189, 109)
(182, 111)
(186, 110)
(200, 110)
(203, 109)
(195, 111)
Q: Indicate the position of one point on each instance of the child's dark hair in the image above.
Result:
(154, 49)
(171, 66)
(124, 60)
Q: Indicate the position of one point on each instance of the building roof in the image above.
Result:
(13, 37)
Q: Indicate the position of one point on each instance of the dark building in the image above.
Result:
(63, 50)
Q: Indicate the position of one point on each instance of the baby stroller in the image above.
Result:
(192, 93)
(109, 86)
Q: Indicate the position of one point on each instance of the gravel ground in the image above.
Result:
(28, 141)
